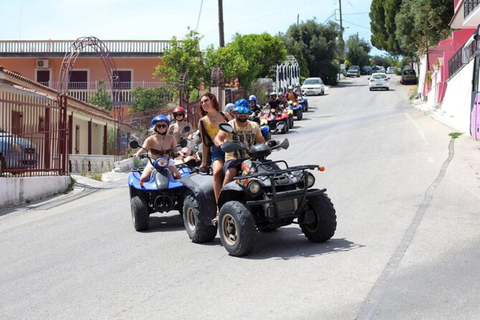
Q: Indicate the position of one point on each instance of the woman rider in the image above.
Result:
(209, 127)
(160, 144)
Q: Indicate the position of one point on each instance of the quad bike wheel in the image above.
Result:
(322, 225)
(3, 165)
(197, 231)
(290, 122)
(285, 128)
(139, 213)
(299, 114)
(305, 106)
(236, 228)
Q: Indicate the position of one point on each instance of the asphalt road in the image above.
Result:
(406, 247)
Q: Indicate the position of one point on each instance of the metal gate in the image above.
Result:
(32, 134)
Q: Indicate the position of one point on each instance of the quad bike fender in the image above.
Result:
(231, 191)
(308, 216)
(201, 187)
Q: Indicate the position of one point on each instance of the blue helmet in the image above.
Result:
(242, 106)
(252, 98)
(160, 118)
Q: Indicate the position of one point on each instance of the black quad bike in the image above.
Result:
(263, 197)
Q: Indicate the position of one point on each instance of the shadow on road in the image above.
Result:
(286, 243)
(165, 223)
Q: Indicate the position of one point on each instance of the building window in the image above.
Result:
(125, 79)
(78, 80)
(43, 77)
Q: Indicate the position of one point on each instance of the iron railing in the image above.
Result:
(461, 58)
(469, 6)
(32, 140)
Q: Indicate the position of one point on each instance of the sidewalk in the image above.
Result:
(466, 148)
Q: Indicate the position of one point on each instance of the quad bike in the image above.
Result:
(162, 193)
(263, 123)
(304, 102)
(275, 116)
(263, 197)
(296, 108)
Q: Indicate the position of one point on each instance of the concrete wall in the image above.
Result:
(17, 191)
(457, 101)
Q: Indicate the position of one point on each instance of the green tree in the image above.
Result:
(318, 45)
(422, 23)
(230, 60)
(261, 52)
(102, 98)
(358, 50)
(383, 26)
(182, 65)
(144, 99)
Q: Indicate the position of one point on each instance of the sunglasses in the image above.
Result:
(179, 114)
(243, 110)
(161, 126)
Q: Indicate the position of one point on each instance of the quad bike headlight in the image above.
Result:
(160, 163)
(254, 187)
(310, 180)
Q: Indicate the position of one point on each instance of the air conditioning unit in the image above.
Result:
(42, 63)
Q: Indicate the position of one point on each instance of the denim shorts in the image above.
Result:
(217, 154)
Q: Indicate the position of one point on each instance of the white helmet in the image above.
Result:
(252, 98)
(273, 93)
(229, 107)
(290, 88)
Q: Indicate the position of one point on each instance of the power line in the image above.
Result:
(356, 25)
(199, 14)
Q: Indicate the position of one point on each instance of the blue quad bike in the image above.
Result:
(304, 102)
(264, 196)
(162, 193)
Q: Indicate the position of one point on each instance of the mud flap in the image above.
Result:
(201, 186)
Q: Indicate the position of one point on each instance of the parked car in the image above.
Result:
(313, 86)
(379, 81)
(366, 70)
(378, 69)
(409, 76)
(353, 71)
(390, 70)
(16, 153)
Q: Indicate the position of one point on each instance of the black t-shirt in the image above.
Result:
(274, 103)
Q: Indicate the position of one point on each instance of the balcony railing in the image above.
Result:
(461, 58)
(63, 46)
(469, 6)
(84, 91)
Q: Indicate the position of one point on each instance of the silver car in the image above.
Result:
(16, 153)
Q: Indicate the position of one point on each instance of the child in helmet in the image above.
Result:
(160, 144)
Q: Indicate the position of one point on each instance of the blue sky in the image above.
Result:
(162, 19)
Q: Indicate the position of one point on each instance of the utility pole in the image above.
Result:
(341, 42)
(220, 23)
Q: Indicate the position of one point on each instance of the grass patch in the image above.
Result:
(455, 135)
(96, 176)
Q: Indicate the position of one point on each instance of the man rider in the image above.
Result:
(254, 106)
(273, 102)
(245, 131)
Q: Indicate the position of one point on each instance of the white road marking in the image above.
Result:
(424, 138)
